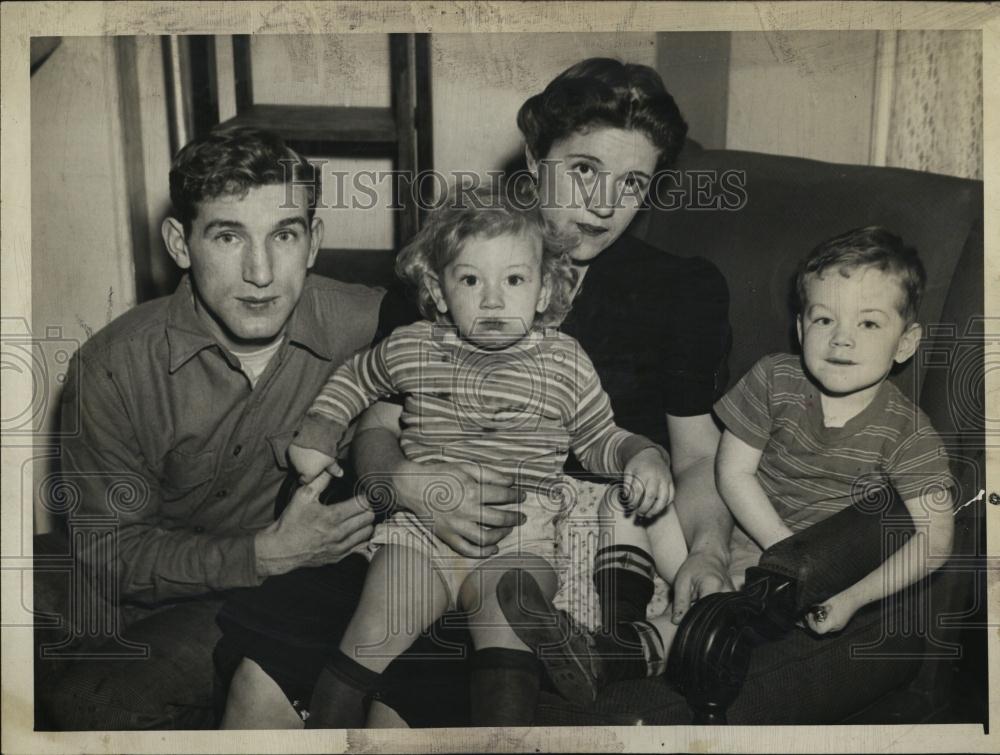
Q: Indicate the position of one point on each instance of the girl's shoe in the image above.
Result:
(568, 651)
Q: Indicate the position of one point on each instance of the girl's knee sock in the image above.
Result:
(629, 647)
(342, 693)
(623, 578)
(504, 687)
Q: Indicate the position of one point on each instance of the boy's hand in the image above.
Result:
(649, 484)
(832, 615)
(310, 463)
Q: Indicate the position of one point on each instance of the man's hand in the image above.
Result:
(309, 533)
(459, 500)
(649, 483)
(701, 574)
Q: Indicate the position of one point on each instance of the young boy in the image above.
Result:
(806, 437)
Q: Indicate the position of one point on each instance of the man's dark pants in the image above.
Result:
(155, 673)
(158, 672)
(292, 624)
(289, 625)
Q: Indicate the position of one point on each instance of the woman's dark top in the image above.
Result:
(655, 326)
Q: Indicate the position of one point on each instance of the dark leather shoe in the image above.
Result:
(566, 649)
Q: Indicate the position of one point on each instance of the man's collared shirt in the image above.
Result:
(179, 451)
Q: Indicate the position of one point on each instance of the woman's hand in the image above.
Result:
(648, 482)
(701, 574)
(310, 463)
(833, 614)
(459, 502)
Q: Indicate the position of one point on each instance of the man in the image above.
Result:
(186, 406)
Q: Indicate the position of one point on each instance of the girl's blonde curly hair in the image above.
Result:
(486, 214)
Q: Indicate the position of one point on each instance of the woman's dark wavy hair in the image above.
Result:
(604, 92)
(486, 214)
(231, 162)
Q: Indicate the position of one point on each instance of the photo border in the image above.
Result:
(21, 20)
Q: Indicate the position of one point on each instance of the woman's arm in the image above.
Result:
(472, 527)
(706, 521)
(921, 555)
(736, 477)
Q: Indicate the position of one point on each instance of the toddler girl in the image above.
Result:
(487, 379)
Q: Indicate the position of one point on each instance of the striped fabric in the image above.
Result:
(626, 557)
(810, 471)
(518, 410)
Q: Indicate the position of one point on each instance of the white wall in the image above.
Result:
(81, 256)
(480, 81)
(324, 69)
(804, 93)
(156, 156)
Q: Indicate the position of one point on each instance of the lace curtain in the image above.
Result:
(936, 117)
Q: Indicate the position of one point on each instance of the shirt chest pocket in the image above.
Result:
(185, 477)
(279, 447)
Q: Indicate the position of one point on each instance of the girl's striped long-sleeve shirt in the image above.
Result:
(518, 410)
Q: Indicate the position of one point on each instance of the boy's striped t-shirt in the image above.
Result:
(810, 471)
(518, 410)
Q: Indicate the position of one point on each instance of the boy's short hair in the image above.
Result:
(469, 213)
(872, 246)
(231, 162)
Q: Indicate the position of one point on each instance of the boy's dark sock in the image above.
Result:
(623, 578)
(342, 693)
(504, 687)
(633, 650)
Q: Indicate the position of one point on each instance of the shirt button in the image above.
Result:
(222, 494)
(199, 529)
(237, 450)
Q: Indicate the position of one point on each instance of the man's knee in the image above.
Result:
(169, 688)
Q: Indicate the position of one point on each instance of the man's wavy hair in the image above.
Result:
(486, 214)
(871, 246)
(604, 92)
(230, 162)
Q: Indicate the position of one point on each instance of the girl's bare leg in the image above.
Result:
(402, 597)
(667, 544)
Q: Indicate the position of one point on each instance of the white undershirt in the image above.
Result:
(255, 362)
